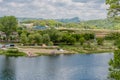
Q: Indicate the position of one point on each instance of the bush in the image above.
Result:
(115, 66)
(82, 40)
(100, 41)
(46, 39)
(113, 36)
(88, 36)
(50, 43)
(68, 39)
(12, 51)
(117, 43)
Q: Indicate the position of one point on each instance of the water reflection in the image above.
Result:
(7, 70)
(64, 67)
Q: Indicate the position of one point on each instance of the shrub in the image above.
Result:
(100, 41)
(82, 40)
(88, 36)
(68, 39)
(12, 51)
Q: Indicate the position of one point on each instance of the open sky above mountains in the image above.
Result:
(52, 9)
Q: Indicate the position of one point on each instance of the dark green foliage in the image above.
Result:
(23, 38)
(88, 36)
(50, 43)
(55, 35)
(8, 24)
(100, 41)
(82, 40)
(68, 39)
(117, 43)
(77, 36)
(113, 36)
(46, 39)
(116, 60)
(38, 38)
(115, 66)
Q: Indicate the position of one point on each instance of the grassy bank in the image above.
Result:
(90, 48)
(12, 52)
(87, 50)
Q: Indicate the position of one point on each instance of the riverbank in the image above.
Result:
(11, 52)
(32, 51)
(90, 49)
(38, 50)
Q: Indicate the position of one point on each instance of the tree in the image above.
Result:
(8, 24)
(23, 38)
(31, 39)
(68, 39)
(82, 40)
(115, 66)
(46, 39)
(114, 9)
(37, 38)
(100, 41)
(54, 34)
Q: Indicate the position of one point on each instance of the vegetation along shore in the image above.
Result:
(44, 37)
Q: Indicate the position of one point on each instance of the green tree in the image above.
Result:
(100, 41)
(37, 38)
(31, 39)
(8, 24)
(68, 39)
(82, 40)
(114, 9)
(23, 38)
(117, 43)
(46, 38)
(54, 34)
(115, 66)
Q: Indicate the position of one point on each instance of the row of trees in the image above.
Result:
(9, 24)
(53, 36)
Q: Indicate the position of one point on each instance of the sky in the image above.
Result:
(53, 9)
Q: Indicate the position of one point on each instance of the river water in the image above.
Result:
(62, 67)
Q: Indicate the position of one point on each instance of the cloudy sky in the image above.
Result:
(84, 9)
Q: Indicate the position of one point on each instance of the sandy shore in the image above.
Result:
(39, 51)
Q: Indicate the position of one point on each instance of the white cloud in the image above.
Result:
(14, 4)
(87, 9)
(3, 9)
(1, 1)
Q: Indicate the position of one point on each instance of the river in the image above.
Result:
(62, 67)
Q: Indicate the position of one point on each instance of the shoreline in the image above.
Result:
(34, 51)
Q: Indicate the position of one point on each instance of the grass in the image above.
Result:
(92, 48)
(12, 52)
(56, 54)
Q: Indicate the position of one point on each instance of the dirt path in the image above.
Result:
(32, 51)
(28, 52)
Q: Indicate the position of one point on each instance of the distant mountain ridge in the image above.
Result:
(98, 24)
(67, 20)
(74, 20)
(25, 19)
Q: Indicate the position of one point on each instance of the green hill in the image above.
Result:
(102, 24)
